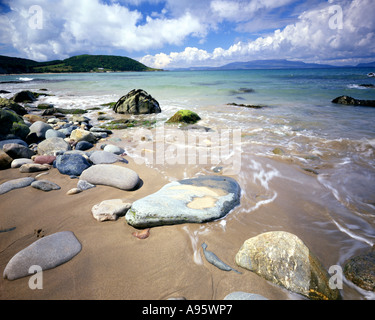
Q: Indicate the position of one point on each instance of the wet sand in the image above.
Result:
(113, 264)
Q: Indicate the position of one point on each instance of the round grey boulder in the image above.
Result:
(282, 258)
(52, 146)
(111, 175)
(40, 128)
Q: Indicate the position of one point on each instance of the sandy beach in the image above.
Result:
(113, 264)
(292, 178)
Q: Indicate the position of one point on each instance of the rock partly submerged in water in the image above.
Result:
(282, 258)
(196, 200)
(184, 116)
(352, 101)
(47, 252)
(137, 101)
(361, 270)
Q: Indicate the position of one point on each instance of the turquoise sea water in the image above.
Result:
(336, 141)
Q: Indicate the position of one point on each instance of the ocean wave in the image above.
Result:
(25, 79)
(361, 86)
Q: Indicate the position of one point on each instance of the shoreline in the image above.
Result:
(113, 264)
(276, 195)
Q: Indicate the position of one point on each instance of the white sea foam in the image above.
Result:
(194, 238)
(25, 79)
(357, 86)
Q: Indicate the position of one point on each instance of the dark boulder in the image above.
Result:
(352, 101)
(12, 124)
(24, 96)
(11, 105)
(137, 101)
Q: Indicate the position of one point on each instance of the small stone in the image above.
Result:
(102, 157)
(45, 185)
(84, 145)
(110, 209)
(74, 191)
(144, 234)
(16, 163)
(33, 167)
(44, 159)
(51, 133)
(84, 185)
(82, 135)
(114, 149)
(278, 151)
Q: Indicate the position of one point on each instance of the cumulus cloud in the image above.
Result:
(328, 33)
(307, 30)
(71, 26)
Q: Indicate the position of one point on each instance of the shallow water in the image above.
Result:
(320, 182)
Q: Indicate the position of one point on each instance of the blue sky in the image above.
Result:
(188, 33)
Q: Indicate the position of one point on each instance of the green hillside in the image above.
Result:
(16, 65)
(82, 63)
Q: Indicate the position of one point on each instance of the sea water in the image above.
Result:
(334, 143)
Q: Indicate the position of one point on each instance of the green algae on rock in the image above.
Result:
(184, 116)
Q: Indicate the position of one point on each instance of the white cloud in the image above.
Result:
(313, 37)
(71, 26)
(77, 26)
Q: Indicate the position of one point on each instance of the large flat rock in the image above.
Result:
(196, 200)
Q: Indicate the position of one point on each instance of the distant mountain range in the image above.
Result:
(107, 63)
(274, 64)
(81, 63)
